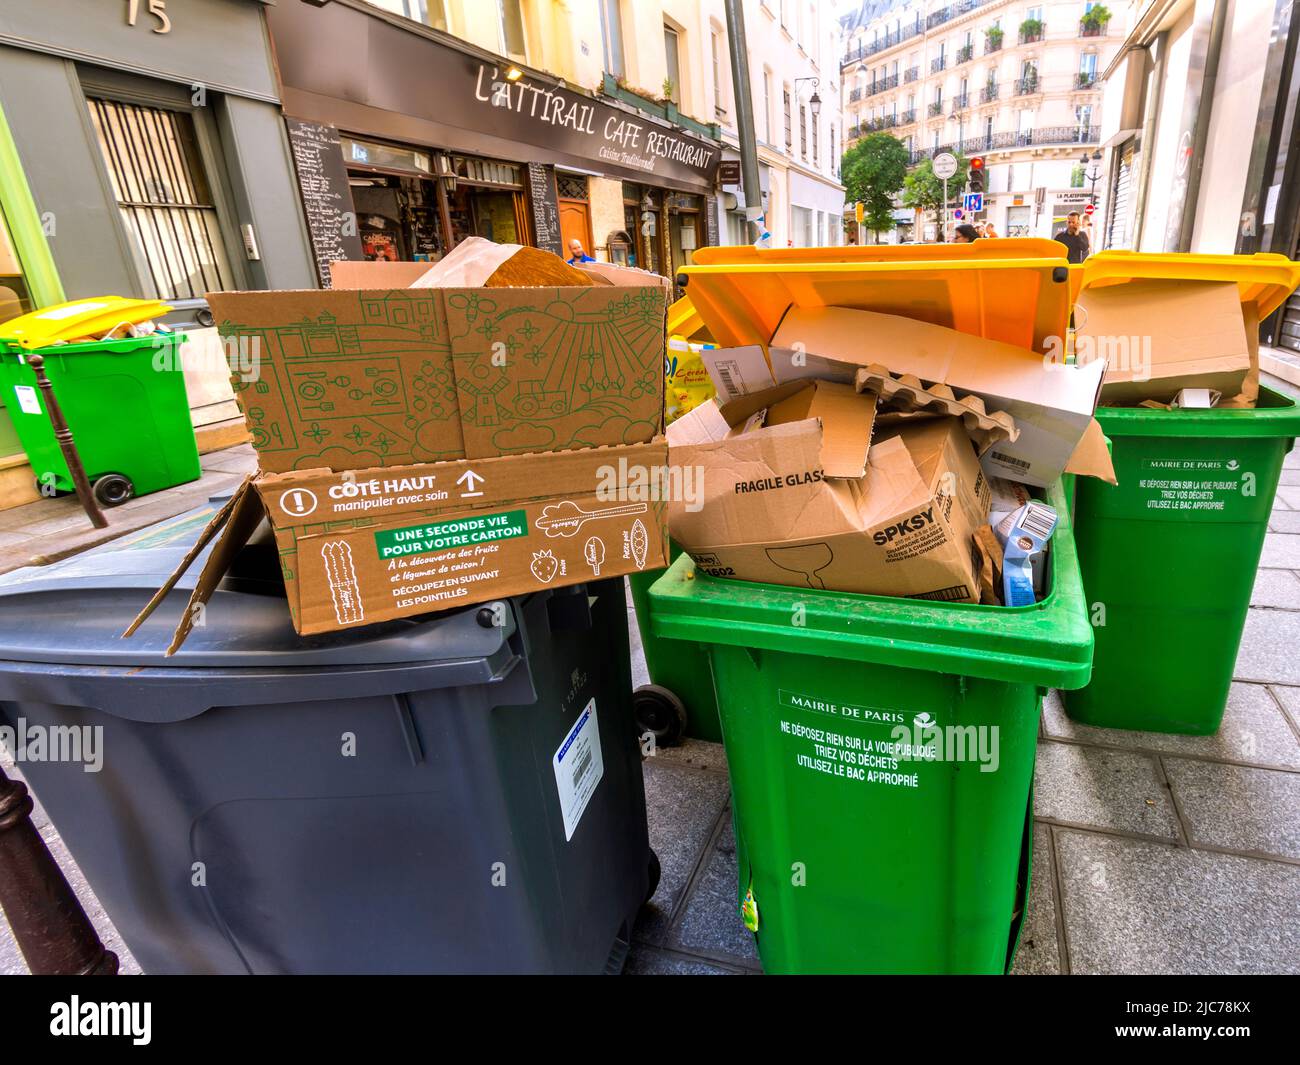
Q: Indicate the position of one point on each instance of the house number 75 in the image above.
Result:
(157, 8)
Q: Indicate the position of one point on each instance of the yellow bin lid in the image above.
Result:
(1264, 280)
(1011, 289)
(78, 319)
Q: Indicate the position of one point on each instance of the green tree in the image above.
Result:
(924, 191)
(873, 171)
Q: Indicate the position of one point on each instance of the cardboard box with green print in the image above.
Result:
(351, 379)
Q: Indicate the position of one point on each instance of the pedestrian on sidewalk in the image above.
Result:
(1076, 242)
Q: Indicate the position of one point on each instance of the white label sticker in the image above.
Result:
(28, 401)
(578, 768)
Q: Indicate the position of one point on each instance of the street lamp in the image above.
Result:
(1091, 175)
(815, 101)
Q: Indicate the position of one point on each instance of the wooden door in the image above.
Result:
(575, 224)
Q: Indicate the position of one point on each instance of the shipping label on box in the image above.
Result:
(363, 378)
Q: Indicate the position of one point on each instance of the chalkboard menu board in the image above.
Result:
(544, 202)
(711, 220)
(326, 197)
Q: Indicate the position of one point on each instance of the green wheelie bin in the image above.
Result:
(882, 749)
(124, 400)
(851, 859)
(1169, 555)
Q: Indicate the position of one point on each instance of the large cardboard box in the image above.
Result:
(360, 548)
(1052, 404)
(811, 500)
(1158, 337)
(352, 379)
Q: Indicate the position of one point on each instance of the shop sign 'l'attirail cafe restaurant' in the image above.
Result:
(406, 141)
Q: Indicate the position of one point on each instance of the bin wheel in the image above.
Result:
(113, 489)
(659, 712)
(655, 871)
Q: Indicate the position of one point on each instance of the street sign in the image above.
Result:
(1090, 208)
(944, 165)
(729, 172)
(974, 202)
(959, 214)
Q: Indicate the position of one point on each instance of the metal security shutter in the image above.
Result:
(1117, 225)
(1290, 335)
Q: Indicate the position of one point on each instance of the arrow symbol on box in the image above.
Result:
(471, 481)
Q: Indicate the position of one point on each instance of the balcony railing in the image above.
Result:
(883, 85)
(938, 63)
(1085, 80)
(907, 117)
(905, 33)
(965, 54)
(855, 132)
(1031, 36)
(855, 95)
(989, 93)
(1054, 135)
(865, 51)
(1092, 29)
(935, 109)
(1026, 86)
(992, 44)
(911, 74)
(961, 101)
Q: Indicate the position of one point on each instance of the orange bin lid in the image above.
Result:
(1013, 290)
(1264, 280)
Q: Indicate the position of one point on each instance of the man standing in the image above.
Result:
(1075, 241)
(580, 256)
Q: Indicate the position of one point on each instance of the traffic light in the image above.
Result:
(977, 174)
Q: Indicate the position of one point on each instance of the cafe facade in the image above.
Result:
(408, 140)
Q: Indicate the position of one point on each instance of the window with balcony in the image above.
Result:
(611, 37)
(672, 65)
(510, 27)
(1087, 70)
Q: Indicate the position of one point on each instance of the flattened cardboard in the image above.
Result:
(1092, 457)
(1051, 405)
(1161, 336)
(392, 543)
(363, 378)
(846, 419)
(905, 528)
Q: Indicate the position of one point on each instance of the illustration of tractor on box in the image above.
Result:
(533, 400)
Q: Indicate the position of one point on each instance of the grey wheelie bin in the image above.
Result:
(455, 793)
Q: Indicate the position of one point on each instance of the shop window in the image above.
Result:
(511, 26)
(14, 296)
(164, 196)
(673, 65)
(571, 186)
(611, 33)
